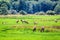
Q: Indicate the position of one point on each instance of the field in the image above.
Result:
(11, 30)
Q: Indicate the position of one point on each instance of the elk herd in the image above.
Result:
(34, 27)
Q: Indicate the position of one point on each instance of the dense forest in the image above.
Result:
(29, 6)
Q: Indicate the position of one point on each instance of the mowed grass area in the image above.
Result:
(22, 31)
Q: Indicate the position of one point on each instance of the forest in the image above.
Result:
(29, 6)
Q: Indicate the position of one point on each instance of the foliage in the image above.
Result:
(40, 13)
(30, 6)
(50, 12)
(45, 6)
(12, 11)
(3, 11)
(4, 6)
(23, 12)
(54, 0)
(57, 9)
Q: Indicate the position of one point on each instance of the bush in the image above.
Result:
(3, 8)
(40, 13)
(50, 12)
(23, 12)
(57, 9)
(12, 11)
(3, 11)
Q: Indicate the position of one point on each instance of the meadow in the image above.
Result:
(22, 31)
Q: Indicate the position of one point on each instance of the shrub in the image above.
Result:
(23, 12)
(12, 11)
(40, 13)
(50, 12)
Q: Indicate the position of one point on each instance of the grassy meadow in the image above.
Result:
(22, 31)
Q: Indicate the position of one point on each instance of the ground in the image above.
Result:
(11, 30)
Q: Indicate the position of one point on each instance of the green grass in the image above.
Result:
(24, 31)
(24, 35)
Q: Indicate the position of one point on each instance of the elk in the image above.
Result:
(24, 21)
(34, 28)
(17, 21)
(42, 29)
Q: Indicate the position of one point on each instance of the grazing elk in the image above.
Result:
(17, 21)
(24, 21)
(34, 28)
(42, 29)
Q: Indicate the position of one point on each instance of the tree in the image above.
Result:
(45, 6)
(29, 7)
(12, 11)
(22, 5)
(3, 11)
(5, 4)
(57, 9)
(54, 0)
(15, 6)
(35, 8)
(3, 8)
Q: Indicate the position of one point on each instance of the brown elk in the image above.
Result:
(17, 21)
(42, 29)
(24, 21)
(34, 28)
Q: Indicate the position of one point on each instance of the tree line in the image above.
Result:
(29, 7)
